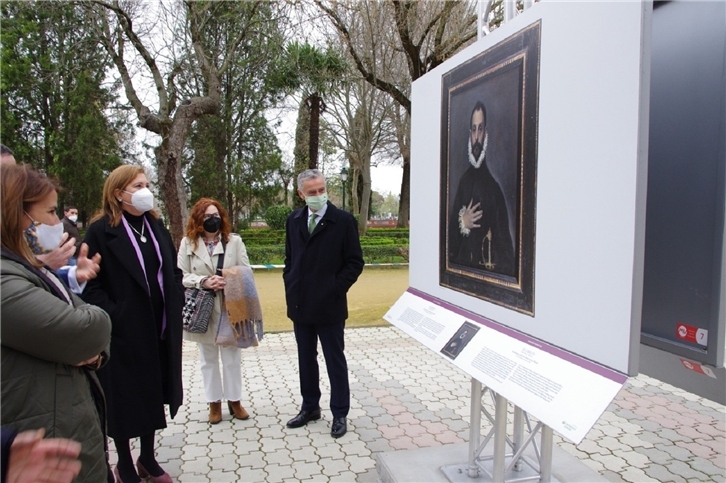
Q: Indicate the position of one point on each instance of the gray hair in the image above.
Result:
(306, 175)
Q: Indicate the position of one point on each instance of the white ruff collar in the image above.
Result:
(477, 162)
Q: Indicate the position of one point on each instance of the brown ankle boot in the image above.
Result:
(215, 412)
(236, 410)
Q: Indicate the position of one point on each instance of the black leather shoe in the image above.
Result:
(339, 427)
(303, 418)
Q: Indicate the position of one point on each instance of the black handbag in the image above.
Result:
(199, 304)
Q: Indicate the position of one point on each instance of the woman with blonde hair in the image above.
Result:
(207, 239)
(52, 342)
(140, 288)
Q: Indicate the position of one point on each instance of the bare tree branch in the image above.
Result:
(379, 83)
(127, 26)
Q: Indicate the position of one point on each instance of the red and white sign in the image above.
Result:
(693, 334)
(696, 367)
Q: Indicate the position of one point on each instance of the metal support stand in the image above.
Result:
(474, 428)
(502, 466)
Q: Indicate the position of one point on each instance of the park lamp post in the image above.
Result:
(344, 178)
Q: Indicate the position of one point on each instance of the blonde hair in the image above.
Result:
(118, 180)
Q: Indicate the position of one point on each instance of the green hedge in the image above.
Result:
(388, 232)
(371, 254)
(380, 245)
(263, 237)
(378, 236)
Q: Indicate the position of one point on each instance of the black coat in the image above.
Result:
(320, 267)
(72, 230)
(479, 186)
(144, 371)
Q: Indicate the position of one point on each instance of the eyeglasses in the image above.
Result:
(211, 215)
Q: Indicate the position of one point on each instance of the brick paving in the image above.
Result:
(404, 396)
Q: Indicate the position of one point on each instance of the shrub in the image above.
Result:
(266, 255)
(275, 216)
(385, 254)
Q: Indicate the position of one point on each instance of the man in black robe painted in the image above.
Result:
(479, 235)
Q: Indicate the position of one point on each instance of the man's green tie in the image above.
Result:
(312, 224)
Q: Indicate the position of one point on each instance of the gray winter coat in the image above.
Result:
(42, 337)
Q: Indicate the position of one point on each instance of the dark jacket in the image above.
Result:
(478, 250)
(8, 436)
(145, 371)
(320, 267)
(43, 337)
(72, 230)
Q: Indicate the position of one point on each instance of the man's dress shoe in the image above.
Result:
(339, 427)
(303, 418)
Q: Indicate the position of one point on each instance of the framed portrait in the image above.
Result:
(488, 173)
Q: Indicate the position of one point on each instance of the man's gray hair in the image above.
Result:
(306, 175)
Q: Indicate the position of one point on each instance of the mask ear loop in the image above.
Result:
(31, 218)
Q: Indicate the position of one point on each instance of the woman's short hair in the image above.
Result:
(20, 187)
(195, 223)
(111, 207)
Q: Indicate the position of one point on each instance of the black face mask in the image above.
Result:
(212, 225)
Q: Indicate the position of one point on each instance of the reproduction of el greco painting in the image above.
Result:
(489, 171)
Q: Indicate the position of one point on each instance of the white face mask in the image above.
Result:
(73, 218)
(142, 200)
(43, 238)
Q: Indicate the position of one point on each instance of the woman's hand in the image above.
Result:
(88, 268)
(215, 282)
(38, 460)
(93, 362)
(59, 257)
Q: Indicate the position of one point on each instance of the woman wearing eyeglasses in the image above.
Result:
(207, 238)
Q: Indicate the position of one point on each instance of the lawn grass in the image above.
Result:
(368, 300)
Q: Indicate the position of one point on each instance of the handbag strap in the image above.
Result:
(220, 259)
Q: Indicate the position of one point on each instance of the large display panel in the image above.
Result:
(683, 297)
(588, 190)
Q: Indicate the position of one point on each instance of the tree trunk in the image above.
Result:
(404, 204)
(301, 152)
(172, 191)
(353, 183)
(168, 165)
(366, 195)
(314, 103)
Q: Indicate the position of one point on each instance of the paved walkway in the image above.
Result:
(405, 396)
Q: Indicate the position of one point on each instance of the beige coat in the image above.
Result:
(197, 264)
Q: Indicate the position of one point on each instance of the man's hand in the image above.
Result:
(87, 268)
(215, 282)
(37, 460)
(470, 215)
(59, 257)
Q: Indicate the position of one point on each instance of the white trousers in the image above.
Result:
(209, 355)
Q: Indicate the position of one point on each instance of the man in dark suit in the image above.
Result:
(479, 234)
(323, 259)
(70, 220)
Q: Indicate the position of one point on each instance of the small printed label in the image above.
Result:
(702, 337)
(693, 334)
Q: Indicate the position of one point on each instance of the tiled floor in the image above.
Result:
(405, 396)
